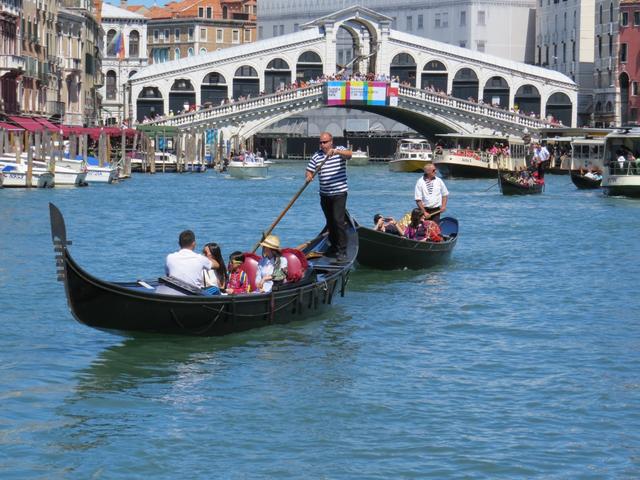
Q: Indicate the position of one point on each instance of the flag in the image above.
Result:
(120, 46)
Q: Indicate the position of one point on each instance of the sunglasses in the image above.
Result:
(325, 141)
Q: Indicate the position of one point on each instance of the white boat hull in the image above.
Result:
(18, 178)
(621, 185)
(239, 170)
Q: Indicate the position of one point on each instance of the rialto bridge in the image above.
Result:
(442, 88)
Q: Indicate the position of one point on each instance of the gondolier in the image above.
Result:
(333, 191)
(431, 194)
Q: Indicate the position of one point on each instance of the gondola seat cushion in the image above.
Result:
(250, 267)
(296, 264)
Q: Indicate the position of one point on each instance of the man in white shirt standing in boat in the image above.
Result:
(431, 194)
(187, 265)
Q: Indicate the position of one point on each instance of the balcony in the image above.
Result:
(55, 108)
(12, 62)
(72, 64)
(10, 9)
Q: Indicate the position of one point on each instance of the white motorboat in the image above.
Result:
(65, 176)
(248, 169)
(478, 155)
(622, 177)
(359, 158)
(412, 154)
(587, 153)
(15, 175)
(94, 172)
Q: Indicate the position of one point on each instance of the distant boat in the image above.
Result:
(509, 185)
(622, 178)
(359, 158)
(94, 172)
(411, 155)
(583, 182)
(239, 168)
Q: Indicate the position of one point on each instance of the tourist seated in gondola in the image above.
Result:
(187, 265)
(214, 279)
(422, 230)
(237, 281)
(272, 269)
(387, 225)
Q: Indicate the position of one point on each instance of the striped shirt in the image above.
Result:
(333, 174)
(430, 192)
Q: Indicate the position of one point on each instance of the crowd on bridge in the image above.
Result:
(368, 77)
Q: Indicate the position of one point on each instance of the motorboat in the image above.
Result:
(359, 158)
(622, 177)
(477, 155)
(95, 173)
(412, 154)
(64, 176)
(248, 167)
(15, 175)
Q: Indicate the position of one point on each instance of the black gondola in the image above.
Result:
(584, 183)
(512, 187)
(386, 251)
(161, 306)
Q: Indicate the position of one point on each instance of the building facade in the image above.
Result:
(629, 67)
(12, 62)
(606, 96)
(564, 42)
(130, 28)
(503, 28)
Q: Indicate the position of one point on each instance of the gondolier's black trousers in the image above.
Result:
(436, 217)
(335, 208)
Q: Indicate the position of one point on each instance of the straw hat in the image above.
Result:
(272, 242)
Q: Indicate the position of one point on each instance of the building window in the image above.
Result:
(111, 43)
(437, 21)
(445, 20)
(623, 52)
(190, 52)
(190, 36)
(260, 33)
(176, 54)
(420, 22)
(463, 18)
(208, 12)
(201, 12)
(610, 45)
(481, 45)
(296, 27)
(409, 23)
(481, 17)
(634, 88)
(275, 30)
(546, 55)
(573, 51)
(166, 35)
(393, 22)
(600, 14)
(112, 88)
(599, 46)
(219, 35)
(564, 52)
(463, 43)
(624, 19)
(247, 36)
(203, 51)
(235, 36)
(636, 19)
(156, 35)
(281, 30)
(134, 44)
(555, 53)
(203, 33)
(611, 12)
(176, 34)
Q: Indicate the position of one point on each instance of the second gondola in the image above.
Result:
(510, 185)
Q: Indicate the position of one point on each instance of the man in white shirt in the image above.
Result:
(431, 194)
(187, 265)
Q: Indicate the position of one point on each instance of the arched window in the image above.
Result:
(176, 54)
(611, 12)
(246, 71)
(190, 52)
(132, 73)
(112, 87)
(111, 46)
(134, 44)
(203, 51)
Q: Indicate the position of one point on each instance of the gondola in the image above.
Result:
(167, 306)
(510, 187)
(386, 251)
(584, 183)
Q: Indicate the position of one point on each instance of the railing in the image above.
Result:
(12, 62)
(55, 108)
(626, 168)
(317, 90)
(471, 107)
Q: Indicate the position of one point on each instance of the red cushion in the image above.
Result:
(250, 267)
(296, 264)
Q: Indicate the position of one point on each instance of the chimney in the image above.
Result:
(123, 3)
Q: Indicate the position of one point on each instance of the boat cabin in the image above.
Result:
(587, 152)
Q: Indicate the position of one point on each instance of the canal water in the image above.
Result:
(519, 359)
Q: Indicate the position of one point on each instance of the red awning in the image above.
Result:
(28, 124)
(10, 128)
(47, 124)
(71, 130)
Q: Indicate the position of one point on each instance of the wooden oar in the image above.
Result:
(494, 185)
(293, 200)
(429, 215)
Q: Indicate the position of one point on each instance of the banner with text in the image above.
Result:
(341, 92)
